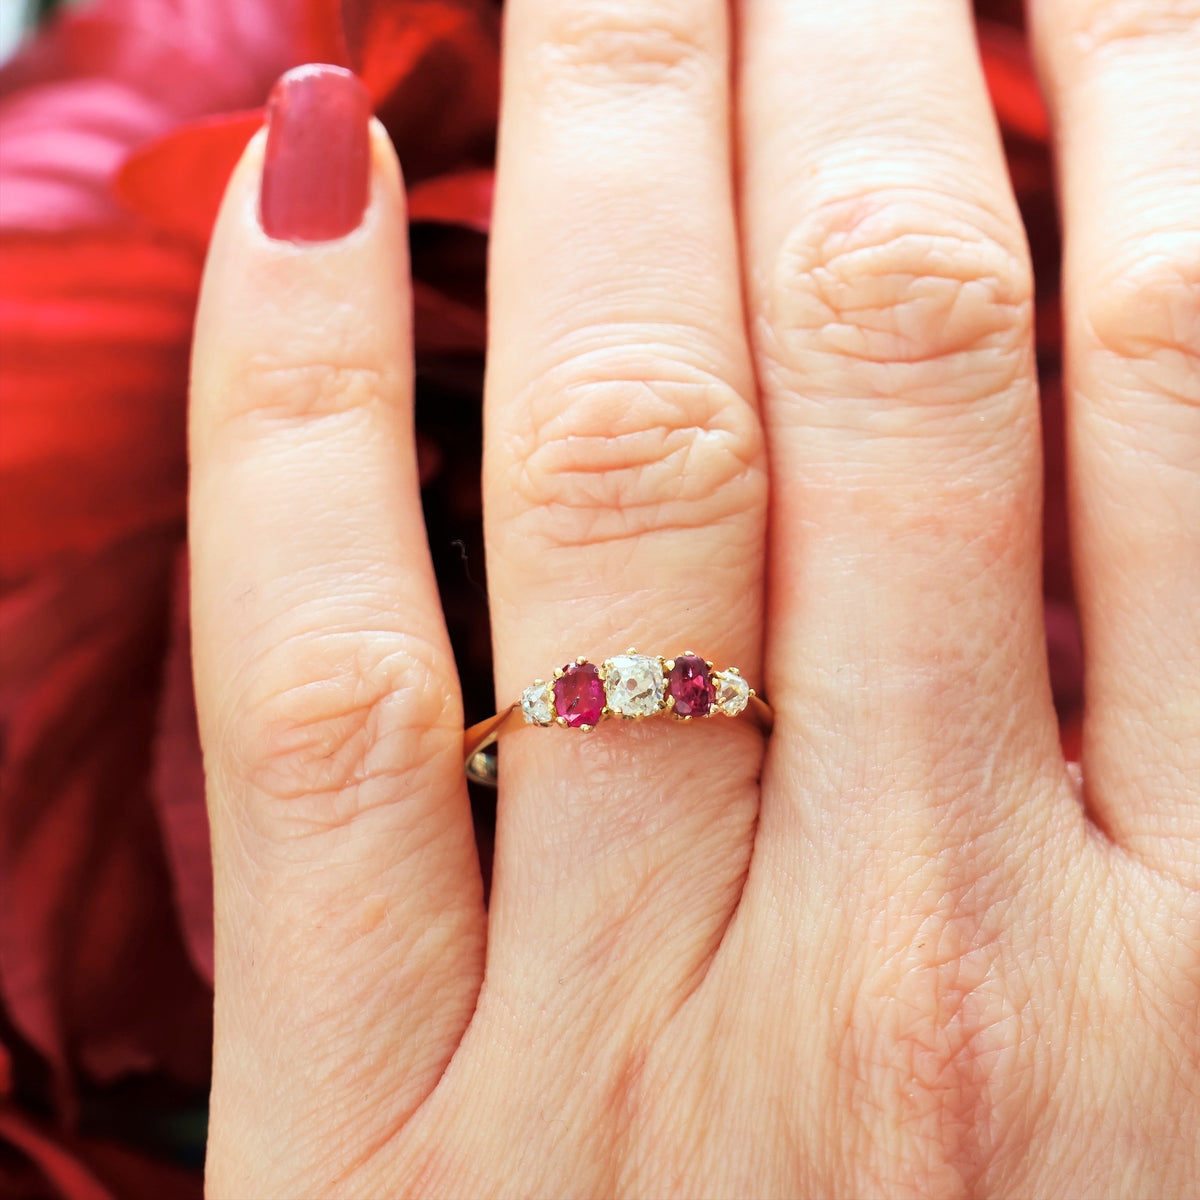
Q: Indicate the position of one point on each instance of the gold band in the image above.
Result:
(630, 686)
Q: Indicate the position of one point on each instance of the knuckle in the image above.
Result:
(1143, 318)
(625, 44)
(1096, 27)
(278, 391)
(346, 723)
(901, 294)
(620, 445)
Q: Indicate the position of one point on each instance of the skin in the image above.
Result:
(761, 383)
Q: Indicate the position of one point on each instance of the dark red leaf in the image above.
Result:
(84, 1168)
(64, 1175)
(1070, 736)
(443, 325)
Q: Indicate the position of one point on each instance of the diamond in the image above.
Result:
(579, 694)
(733, 692)
(537, 704)
(633, 685)
(690, 686)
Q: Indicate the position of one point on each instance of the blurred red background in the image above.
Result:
(119, 123)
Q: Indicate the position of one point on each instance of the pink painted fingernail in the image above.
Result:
(317, 166)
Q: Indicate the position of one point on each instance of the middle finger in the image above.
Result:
(891, 300)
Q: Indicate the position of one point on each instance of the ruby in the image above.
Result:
(691, 687)
(579, 694)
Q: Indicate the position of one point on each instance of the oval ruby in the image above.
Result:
(691, 687)
(579, 694)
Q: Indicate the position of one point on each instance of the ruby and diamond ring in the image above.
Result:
(629, 686)
(634, 686)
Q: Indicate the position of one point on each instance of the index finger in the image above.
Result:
(349, 917)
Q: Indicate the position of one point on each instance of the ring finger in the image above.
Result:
(625, 503)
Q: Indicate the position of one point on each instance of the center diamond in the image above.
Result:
(633, 685)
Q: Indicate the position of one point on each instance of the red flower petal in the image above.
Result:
(92, 384)
(1008, 69)
(102, 80)
(178, 784)
(92, 969)
(386, 38)
(433, 67)
(92, 480)
(177, 181)
(462, 198)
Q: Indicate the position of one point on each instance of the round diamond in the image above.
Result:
(579, 695)
(537, 704)
(690, 686)
(633, 685)
(733, 692)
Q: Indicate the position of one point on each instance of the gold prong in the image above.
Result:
(561, 721)
(668, 664)
(587, 728)
(691, 654)
(733, 671)
(581, 660)
(558, 672)
(670, 702)
(631, 650)
(708, 662)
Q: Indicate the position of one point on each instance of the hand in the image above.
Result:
(897, 950)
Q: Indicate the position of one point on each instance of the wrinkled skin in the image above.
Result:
(901, 948)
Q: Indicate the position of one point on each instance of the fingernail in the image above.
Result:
(317, 165)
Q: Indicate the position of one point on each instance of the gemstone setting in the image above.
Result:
(690, 687)
(579, 695)
(733, 692)
(633, 685)
(537, 704)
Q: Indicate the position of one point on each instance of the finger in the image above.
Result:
(624, 492)
(1123, 82)
(891, 298)
(349, 917)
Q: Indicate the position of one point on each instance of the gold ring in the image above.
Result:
(629, 687)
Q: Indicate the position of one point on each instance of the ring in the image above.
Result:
(630, 687)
